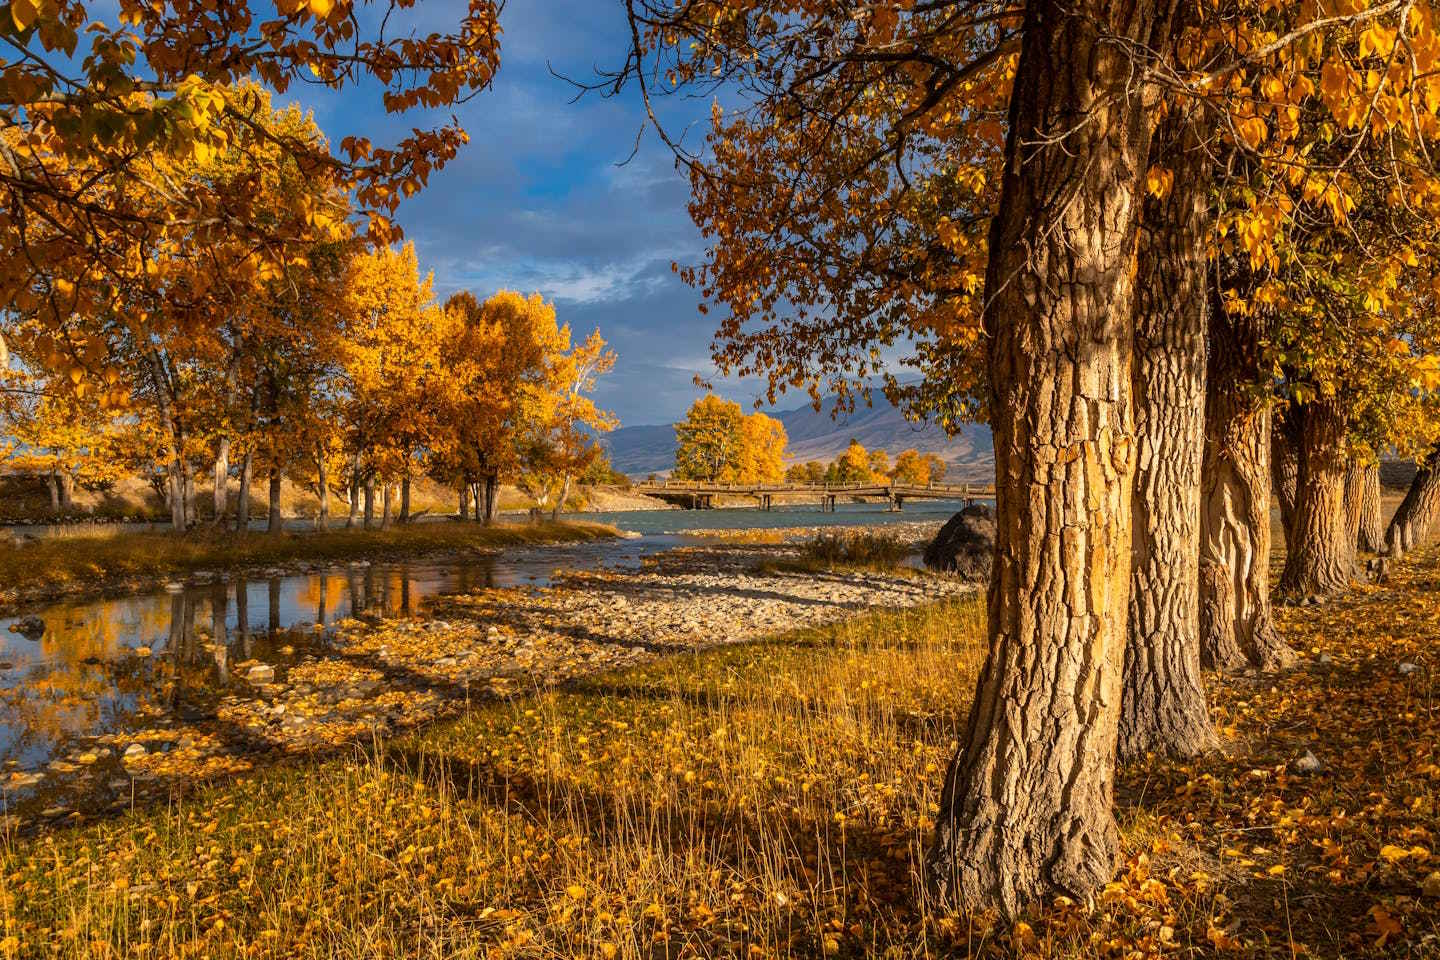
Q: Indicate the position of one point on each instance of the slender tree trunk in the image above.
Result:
(242, 506)
(369, 501)
(1354, 501)
(221, 474)
(387, 497)
(1320, 557)
(492, 499)
(1026, 809)
(464, 501)
(53, 481)
(67, 492)
(1236, 629)
(560, 503)
(405, 499)
(1371, 535)
(477, 498)
(177, 497)
(275, 523)
(354, 491)
(1163, 707)
(1285, 465)
(322, 483)
(192, 495)
(1416, 513)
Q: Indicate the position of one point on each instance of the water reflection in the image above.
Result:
(106, 665)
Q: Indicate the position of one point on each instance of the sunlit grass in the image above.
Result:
(83, 561)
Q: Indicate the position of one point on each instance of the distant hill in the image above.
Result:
(815, 435)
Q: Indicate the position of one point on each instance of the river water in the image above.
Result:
(96, 666)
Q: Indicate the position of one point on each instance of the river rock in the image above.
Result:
(31, 628)
(261, 673)
(965, 545)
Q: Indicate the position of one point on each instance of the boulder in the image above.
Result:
(965, 545)
(31, 628)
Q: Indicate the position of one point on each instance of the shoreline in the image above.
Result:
(299, 694)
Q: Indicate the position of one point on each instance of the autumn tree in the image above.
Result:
(708, 442)
(911, 469)
(853, 464)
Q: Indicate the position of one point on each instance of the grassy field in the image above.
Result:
(774, 800)
(66, 563)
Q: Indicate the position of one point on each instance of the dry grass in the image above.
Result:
(774, 800)
(87, 562)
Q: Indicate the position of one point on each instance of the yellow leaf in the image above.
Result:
(322, 8)
(24, 12)
(1390, 853)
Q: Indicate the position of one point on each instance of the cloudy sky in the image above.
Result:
(542, 199)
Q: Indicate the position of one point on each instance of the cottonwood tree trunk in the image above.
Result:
(221, 475)
(322, 483)
(275, 523)
(177, 497)
(1320, 552)
(67, 492)
(1285, 465)
(192, 495)
(1371, 535)
(1354, 501)
(242, 506)
(1027, 807)
(53, 481)
(560, 503)
(354, 491)
(1162, 706)
(405, 499)
(387, 496)
(1236, 629)
(369, 501)
(492, 498)
(464, 502)
(1413, 518)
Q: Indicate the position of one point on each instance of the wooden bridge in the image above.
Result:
(701, 494)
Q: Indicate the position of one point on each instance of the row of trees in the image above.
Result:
(1132, 237)
(328, 361)
(857, 465)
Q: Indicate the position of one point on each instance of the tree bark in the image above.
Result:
(67, 492)
(177, 497)
(405, 499)
(242, 506)
(387, 497)
(1354, 499)
(1285, 465)
(1320, 552)
(560, 503)
(275, 523)
(464, 501)
(220, 499)
(1027, 807)
(1416, 513)
(53, 481)
(369, 501)
(1236, 629)
(354, 491)
(1371, 535)
(322, 483)
(1162, 706)
(192, 495)
(492, 498)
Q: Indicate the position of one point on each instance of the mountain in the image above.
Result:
(815, 435)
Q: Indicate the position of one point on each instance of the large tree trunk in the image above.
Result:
(1320, 552)
(1162, 705)
(177, 496)
(387, 497)
(354, 491)
(52, 479)
(1413, 518)
(405, 499)
(1371, 535)
(275, 523)
(464, 501)
(1285, 465)
(242, 506)
(67, 492)
(221, 475)
(369, 501)
(1027, 806)
(1236, 629)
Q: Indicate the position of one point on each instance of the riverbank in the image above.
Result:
(212, 704)
(103, 563)
(775, 798)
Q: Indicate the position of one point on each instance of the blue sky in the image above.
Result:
(539, 200)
